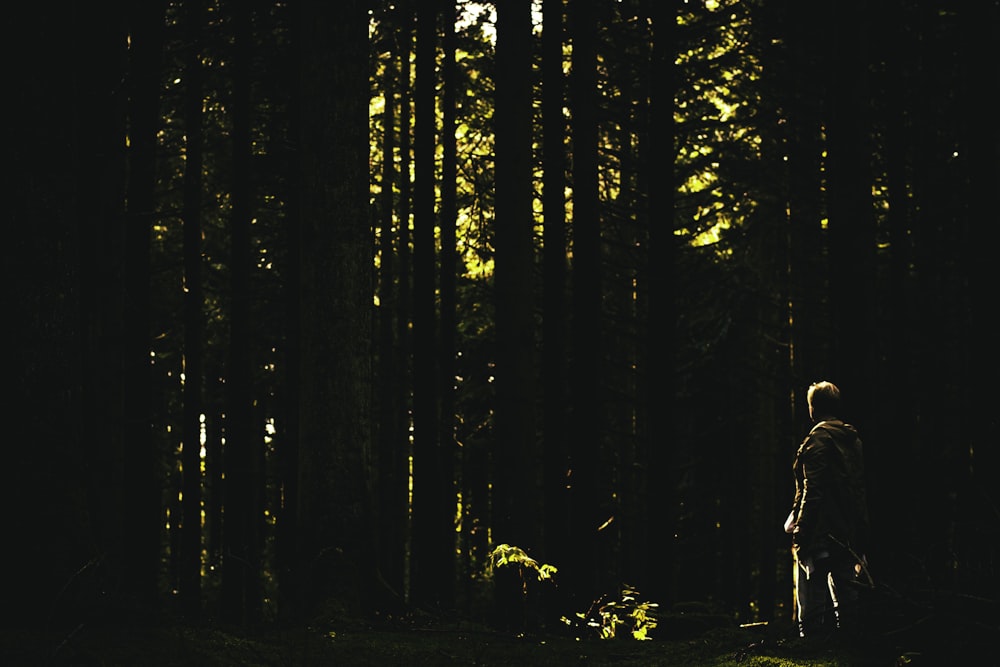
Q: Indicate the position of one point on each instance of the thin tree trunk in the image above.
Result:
(807, 268)
(448, 317)
(982, 171)
(214, 435)
(429, 574)
(900, 48)
(404, 334)
(555, 391)
(141, 513)
(934, 444)
(657, 429)
(588, 499)
(191, 528)
(392, 464)
(287, 453)
(242, 593)
(631, 136)
(852, 225)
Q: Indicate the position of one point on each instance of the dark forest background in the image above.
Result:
(314, 305)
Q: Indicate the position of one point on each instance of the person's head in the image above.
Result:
(824, 400)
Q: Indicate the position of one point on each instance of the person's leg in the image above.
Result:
(812, 594)
(844, 593)
(801, 594)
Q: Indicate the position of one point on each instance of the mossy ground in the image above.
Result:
(458, 643)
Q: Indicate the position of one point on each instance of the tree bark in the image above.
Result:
(429, 575)
(555, 341)
(658, 430)
(393, 464)
(517, 480)
(449, 276)
(335, 530)
(242, 593)
(589, 495)
(141, 513)
(191, 526)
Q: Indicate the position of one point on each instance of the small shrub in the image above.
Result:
(625, 617)
(505, 555)
(521, 589)
(515, 573)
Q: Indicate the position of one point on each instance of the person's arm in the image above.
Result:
(860, 497)
(814, 485)
(793, 515)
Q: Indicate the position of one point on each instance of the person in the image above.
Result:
(829, 521)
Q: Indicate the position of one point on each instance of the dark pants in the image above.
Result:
(826, 593)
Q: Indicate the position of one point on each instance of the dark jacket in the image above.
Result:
(830, 507)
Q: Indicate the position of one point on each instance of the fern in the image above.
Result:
(626, 617)
(505, 555)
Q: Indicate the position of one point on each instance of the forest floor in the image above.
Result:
(459, 643)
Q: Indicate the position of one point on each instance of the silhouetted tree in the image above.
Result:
(657, 430)
(555, 434)
(393, 432)
(588, 494)
(242, 594)
(194, 331)
(516, 455)
(140, 500)
(335, 505)
(431, 551)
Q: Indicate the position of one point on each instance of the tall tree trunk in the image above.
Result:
(889, 459)
(657, 429)
(404, 372)
(555, 391)
(981, 141)
(61, 255)
(588, 497)
(935, 444)
(287, 454)
(767, 446)
(448, 317)
(242, 593)
(429, 574)
(141, 514)
(807, 269)
(633, 41)
(191, 529)
(336, 554)
(99, 131)
(392, 464)
(516, 483)
(852, 225)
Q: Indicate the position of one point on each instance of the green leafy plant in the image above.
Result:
(506, 555)
(625, 617)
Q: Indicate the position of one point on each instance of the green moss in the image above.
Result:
(432, 644)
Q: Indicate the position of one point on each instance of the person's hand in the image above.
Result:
(790, 522)
(864, 574)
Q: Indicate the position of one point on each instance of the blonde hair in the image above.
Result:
(824, 399)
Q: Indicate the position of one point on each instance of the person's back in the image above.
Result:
(833, 454)
(829, 518)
